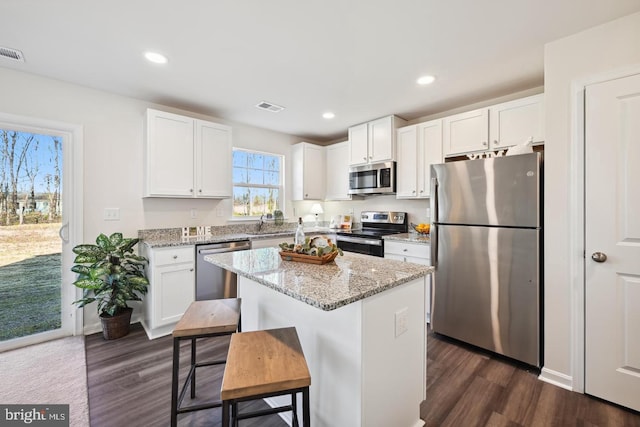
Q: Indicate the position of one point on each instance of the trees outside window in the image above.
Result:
(257, 183)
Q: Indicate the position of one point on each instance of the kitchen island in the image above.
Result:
(360, 320)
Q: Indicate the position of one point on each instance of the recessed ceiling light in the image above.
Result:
(156, 58)
(328, 115)
(425, 80)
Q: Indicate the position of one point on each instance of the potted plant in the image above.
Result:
(111, 274)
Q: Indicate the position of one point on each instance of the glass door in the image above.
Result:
(35, 295)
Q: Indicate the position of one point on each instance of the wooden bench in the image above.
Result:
(265, 364)
(203, 319)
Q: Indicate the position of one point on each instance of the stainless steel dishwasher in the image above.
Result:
(213, 282)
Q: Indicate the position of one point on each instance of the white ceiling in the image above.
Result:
(357, 58)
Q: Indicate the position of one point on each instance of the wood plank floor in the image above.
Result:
(469, 387)
(130, 385)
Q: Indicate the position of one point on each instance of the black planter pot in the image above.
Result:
(117, 326)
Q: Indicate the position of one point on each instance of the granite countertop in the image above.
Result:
(348, 279)
(167, 237)
(410, 237)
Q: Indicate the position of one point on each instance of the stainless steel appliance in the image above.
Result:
(486, 245)
(213, 282)
(368, 240)
(376, 178)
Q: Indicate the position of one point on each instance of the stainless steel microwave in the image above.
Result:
(375, 178)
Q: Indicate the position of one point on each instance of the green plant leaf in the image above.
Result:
(104, 243)
(115, 239)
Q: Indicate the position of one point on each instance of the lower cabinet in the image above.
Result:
(417, 253)
(171, 273)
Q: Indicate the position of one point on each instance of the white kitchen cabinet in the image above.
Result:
(495, 128)
(171, 274)
(516, 122)
(308, 171)
(374, 141)
(417, 253)
(466, 132)
(419, 146)
(337, 171)
(186, 157)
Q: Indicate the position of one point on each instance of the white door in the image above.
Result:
(612, 222)
(41, 209)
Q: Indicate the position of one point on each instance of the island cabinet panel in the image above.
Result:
(367, 358)
(171, 273)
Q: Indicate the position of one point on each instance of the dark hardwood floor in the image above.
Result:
(130, 385)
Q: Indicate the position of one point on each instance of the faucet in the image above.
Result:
(261, 222)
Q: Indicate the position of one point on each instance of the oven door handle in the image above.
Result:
(359, 240)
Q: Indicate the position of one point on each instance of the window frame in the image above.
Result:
(281, 187)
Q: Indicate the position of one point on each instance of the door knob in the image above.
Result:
(599, 256)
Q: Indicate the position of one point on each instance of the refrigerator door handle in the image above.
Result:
(433, 230)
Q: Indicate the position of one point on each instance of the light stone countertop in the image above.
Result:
(409, 237)
(348, 279)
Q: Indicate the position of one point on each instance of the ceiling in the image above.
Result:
(357, 58)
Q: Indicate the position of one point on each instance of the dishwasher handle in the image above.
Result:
(222, 249)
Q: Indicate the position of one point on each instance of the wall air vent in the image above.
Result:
(15, 54)
(268, 106)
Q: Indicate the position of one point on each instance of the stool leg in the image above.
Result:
(174, 382)
(225, 413)
(306, 415)
(193, 363)
(294, 409)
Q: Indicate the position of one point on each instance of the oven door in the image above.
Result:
(361, 245)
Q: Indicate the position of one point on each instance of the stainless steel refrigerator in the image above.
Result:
(486, 245)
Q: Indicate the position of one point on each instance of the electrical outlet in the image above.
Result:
(402, 321)
(194, 213)
(111, 214)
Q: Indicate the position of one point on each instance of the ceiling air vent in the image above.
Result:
(268, 106)
(15, 54)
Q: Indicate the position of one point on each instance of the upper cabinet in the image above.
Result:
(307, 171)
(495, 128)
(337, 171)
(186, 157)
(374, 141)
(419, 146)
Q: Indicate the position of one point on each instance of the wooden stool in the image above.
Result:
(265, 364)
(203, 319)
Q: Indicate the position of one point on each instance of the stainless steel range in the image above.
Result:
(375, 224)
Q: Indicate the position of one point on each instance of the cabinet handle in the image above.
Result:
(191, 269)
(306, 195)
(191, 190)
(413, 191)
(364, 158)
(200, 190)
(175, 257)
(484, 143)
(496, 142)
(370, 157)
(405, 250)
(421, 191)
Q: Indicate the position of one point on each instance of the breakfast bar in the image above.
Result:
(360, 320)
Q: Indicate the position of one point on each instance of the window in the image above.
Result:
(257, 183)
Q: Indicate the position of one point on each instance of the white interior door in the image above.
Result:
(612, 241)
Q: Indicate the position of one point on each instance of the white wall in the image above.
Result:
(113, 154)
(571, 61)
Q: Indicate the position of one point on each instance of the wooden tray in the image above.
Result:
(309, 259)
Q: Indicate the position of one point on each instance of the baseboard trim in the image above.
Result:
(556, 378)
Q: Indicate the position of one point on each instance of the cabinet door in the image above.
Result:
(516, 122)
(358, 145)
(381, 140)
(408, 162)
(174, 291)
(430, 138)
(314, 172)
(466, 132)
(213, 160)
(337, 171)
(169, 155)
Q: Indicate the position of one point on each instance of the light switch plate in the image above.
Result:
(111, 214)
